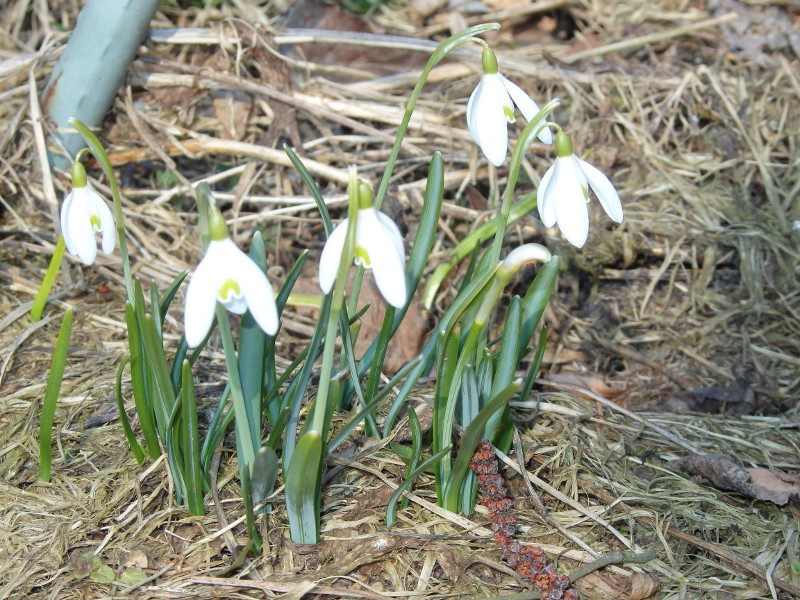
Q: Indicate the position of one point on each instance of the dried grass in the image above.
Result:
(696, 119)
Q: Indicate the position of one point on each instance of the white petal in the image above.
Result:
(546, 202)
(107, 226)
(387, 263)
(257, 292)
(470, 110)
(79, 226)
(201, 299)
(65, 210)
(566, 188)
(331, 256)
(489, 120)
(527, 107)
(393, 233)
(609, 199)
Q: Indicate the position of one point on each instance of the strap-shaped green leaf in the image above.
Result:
(535, 301)
(144, 408)
(252, 354)
(136, 447)
(303, 478)
(469, 442)
(51, 395)
(392, 507)
(193, 474)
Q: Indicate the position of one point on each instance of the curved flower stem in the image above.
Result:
(239, 409)
(443, 50)
(100, 154)
(524, 142)
(320, 404)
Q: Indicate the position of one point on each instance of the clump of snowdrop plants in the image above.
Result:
(283, 419)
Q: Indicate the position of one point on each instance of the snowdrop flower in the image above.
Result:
(563, 195)
(379, 246)
(491, 107)
(83, 214)
(226, 274)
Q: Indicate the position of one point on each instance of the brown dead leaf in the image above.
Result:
(321, 15)
(726, 474)
(591, 382)
(452, 567)
(232, 110)
(607, 585)
(736, 399)
(342, 557)
(406, 343)
(135, 559)
(773, 485)
(422, 9)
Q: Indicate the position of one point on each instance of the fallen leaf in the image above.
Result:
(135, 559)
(607, 585)
(593, 383)
(132, 576)
(773, 485)
(232, 110)
(726, 474)
(736, 399)
(406, 343)
(102, 574)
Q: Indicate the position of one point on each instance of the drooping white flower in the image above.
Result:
(563, 195)
(84, 214)
(491, 108)
(228, 275)
(379, 246)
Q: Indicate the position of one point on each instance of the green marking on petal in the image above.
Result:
(229, 288)
(509, 112)
(362, 258)
(585, 193)
(95, 221)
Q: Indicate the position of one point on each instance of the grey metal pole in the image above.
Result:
(93, 66)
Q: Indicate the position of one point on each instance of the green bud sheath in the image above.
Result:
(78, 175)
(216, 226)
(563, 144)
(489, 61)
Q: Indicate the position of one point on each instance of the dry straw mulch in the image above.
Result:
(688, 310)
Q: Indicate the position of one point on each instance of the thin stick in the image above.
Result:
(644, 40)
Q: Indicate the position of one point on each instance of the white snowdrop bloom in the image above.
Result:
(491, 108)
(228, 275)
(563, 195)
(379, 246)
(84, 214)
